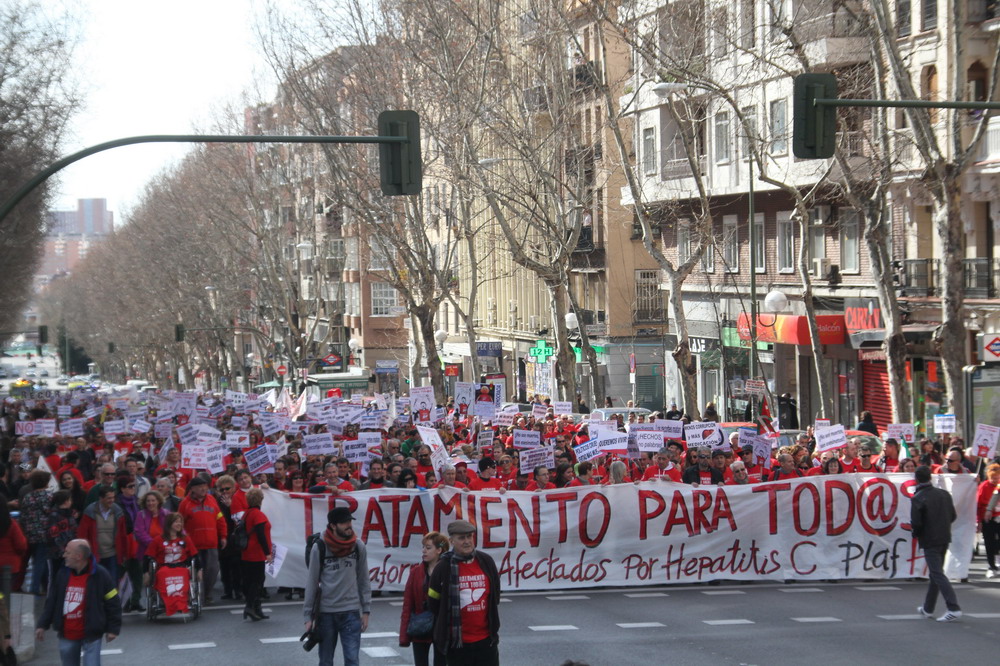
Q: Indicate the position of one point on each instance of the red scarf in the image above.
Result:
(337, 546)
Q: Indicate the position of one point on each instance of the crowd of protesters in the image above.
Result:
(128, 494)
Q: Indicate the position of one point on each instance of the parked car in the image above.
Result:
(43, 373)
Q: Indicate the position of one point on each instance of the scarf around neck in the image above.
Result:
(455, 597)
(337, 546)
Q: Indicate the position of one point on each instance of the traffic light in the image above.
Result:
(111, 348)
(43, 335)
(814, 127)
(179, 333)
(400, 164)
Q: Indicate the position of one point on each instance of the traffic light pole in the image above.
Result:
(400, 157)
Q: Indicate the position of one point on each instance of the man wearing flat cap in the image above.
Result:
(464, 595)
(338, 574)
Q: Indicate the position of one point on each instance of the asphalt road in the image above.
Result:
(17, 365)
(845, 623)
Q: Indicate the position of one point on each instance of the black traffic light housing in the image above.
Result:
(814, 127)
(43, 335)
(179, 333)
(400, 163)
(111, 348)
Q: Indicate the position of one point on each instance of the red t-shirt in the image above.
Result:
(533, 485)
(476, 483)
(474, 590)
(73, 605)
(654, 472)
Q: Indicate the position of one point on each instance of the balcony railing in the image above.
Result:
(644, 315)
(989, 147)
(919, 277)
(980, 277)
(588, 254)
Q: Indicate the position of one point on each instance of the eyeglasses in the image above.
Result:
(131, 485)
(225, 490)
(866, 455)
(703, 457)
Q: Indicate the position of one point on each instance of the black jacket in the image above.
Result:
(931, 514)
(439, 599)
(102, 612)
(693, 475)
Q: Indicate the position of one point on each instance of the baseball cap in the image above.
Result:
(339, 515)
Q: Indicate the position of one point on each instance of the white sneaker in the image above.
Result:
(991, 573)
(950, 616)
(929, 616)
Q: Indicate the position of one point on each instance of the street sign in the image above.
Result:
(991, 349)
(281, 370)
(331, 359)
(755, 386)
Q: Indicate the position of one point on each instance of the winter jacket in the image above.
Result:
(102, 613)
(124, 543)
(62, 528)
(34, 515)
(143, 523)
(203, 521)
(414, 598)
(344, 582)
(439, 599)
(931, 514)
(13, 547)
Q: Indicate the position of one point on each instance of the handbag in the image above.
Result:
(421, 625)
(312, 637)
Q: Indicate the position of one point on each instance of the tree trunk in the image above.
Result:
(687, 369)
(565, 357)
(819, 363)
(894, 345)
(425, 317)
(951, 334)
(596, 381)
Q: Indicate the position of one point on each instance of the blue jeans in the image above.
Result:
(348, 627)
(70, 651)
(111, 564)
(39, 567)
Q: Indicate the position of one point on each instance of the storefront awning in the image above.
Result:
(872, 338)
(793, 329)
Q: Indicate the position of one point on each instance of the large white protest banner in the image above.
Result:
(831, 437)
(705, 433)
(810, 529)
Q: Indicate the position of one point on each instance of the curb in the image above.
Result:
(22, 625)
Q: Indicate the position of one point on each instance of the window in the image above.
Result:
(817, 234)
(352, 305)
(904, 20)
(722, 136)
(850, 241)
(383, 299)
(720, 37)
(683, 241)
(748, 24)
(381, 257)
(748, 133)
(759, 256)
(779, 127)
(649, 151)
(779, 15)
(731, 243)
(708, 258)
(928, 13)
(351, 262)
(648, 297)
(786, 242)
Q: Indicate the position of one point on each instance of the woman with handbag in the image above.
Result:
(416, 625)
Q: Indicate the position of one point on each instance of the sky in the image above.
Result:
(153, 68)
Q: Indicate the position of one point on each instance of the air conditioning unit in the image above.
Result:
(821, 267)
(512, 306)
(533, 322)
(491, 319)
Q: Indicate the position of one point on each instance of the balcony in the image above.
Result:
(589, 256)
(978, 278)
(649, 315)
(986, 12)
(920, 277)
(584, 76)
(989, 147)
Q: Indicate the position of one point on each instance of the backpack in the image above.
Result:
(240, 537)
(312, 539)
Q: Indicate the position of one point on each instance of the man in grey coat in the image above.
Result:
(338, 593)
(931, 514)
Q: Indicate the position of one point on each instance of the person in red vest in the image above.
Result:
(207, 528)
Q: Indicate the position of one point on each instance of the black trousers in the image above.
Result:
(230, 572)
(991, 539)
(480, 653)
(422, 654)
(253, 582)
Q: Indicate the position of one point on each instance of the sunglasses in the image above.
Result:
(703, 457)
(225, 490)
(131, 485)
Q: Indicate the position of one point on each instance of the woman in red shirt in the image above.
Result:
(256, 554)
(13, 545)
(415, 597)
(173, 551)
(988, 519)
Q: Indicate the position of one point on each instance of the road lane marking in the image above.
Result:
(911, 616)
(380, 652)
(640, 625)
(506, 601)
(379, 634)
(105, 653)
(983, 616)
(554, 627)
(568, 597)
(722, 623)
(721, 592)
(191, 646)
(646, 595)
(240, 610)
(816, 619)
(793, 590)
(283, 639)
(877, 588)
(395, 603)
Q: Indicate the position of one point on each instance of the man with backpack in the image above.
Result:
(338, 593)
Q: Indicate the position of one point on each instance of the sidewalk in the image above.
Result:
(22, 625)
